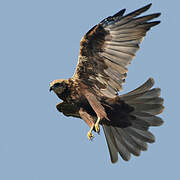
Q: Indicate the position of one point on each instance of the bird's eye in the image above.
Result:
(57, 84)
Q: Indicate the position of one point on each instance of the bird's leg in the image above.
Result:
(97, 107)
(97, 128)
(89, 120)
(89, 134)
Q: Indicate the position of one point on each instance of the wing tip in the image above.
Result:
(158, 14)
(120, 13)
(156, 23)
(114, 161)
(139, 11)
(147, 6)
(151, 80)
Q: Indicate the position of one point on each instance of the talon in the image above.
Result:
(97, 128)
(89, 134)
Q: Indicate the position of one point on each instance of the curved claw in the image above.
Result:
(89, 134)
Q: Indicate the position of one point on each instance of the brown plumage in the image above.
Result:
(92, 93)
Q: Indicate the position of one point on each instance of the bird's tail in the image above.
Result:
(133, 137)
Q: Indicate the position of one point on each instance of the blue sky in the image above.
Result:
(39, 42)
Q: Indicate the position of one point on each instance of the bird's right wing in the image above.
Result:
(107, 49)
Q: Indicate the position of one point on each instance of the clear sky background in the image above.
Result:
(39, 42)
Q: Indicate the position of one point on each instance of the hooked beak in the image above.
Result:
(50, 89)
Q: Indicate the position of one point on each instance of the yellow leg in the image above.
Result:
(89, 134)
(97, 128)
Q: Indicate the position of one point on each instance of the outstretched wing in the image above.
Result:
(107, 49)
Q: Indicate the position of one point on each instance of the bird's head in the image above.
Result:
(58, 86)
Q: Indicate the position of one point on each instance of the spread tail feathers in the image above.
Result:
(133, 138)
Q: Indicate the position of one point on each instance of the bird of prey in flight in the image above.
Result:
(92, 92)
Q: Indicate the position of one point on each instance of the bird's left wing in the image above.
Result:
(107, 49)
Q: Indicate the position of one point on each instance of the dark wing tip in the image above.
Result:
(120, 13)
(151, 81)
(139, 11)
(144, 8)
(110, 19)
(147, 6)
(154, 23)
(158, 14)
(155, 15)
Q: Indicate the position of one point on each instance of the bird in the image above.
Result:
(92, 93)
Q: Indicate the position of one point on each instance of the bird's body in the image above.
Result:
(92, 93)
